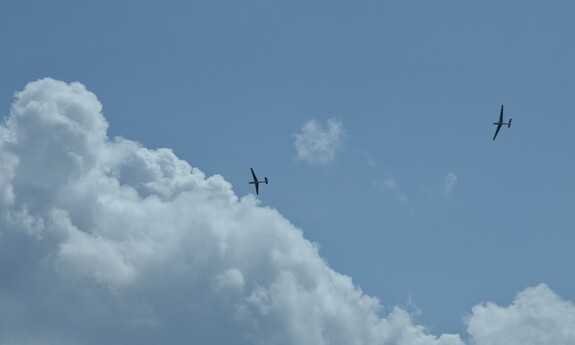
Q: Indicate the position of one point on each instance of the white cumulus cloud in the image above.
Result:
(103, 241)
(106, 241)
(537, 316)
(317, 144)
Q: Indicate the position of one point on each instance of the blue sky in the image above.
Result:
(414, 85)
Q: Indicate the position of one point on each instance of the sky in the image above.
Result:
(391, 216)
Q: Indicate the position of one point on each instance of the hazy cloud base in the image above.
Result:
(105, 241)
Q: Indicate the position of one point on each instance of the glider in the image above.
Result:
(501, 123)
(256, 182)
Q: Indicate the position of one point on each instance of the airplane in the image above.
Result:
(500, 123)
(256, 182)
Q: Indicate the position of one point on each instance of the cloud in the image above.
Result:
(105, 241)
(536, 316)
(449, 183)
(389, 185)
(385, 182)
(317, 145)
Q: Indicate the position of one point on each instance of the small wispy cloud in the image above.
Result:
(317, 144)
(387, 182)
(390, 185)
(449, 183)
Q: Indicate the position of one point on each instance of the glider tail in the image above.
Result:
(509, 124)
(266, 179)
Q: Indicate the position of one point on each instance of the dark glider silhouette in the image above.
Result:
(256, 182)
(501, 123)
